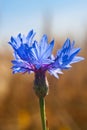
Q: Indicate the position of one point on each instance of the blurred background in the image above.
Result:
(66, 104)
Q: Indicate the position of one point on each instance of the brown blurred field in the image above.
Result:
(66, 104)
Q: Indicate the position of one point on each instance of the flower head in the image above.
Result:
(32, 56)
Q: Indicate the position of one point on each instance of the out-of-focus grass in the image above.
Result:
(66, 104)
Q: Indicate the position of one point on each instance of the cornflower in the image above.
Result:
(32, 56)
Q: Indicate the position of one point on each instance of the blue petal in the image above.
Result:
(43, 44)
(40, 60)
(55, 72)
(30, 36)
(23, 52)
(16, 42)
(13, 43)
(48, 51)
(19, 70)
(16, 55)
(66, 47)
(76, 59)
(35, 50)
(66, 59)
(66, 56)
(21, 66)
(74, 54)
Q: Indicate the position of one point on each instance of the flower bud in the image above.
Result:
(40, 84)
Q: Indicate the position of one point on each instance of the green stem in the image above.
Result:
(42, 112)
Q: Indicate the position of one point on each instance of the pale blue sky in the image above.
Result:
(64, 16)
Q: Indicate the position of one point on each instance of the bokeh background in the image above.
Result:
(66, 104)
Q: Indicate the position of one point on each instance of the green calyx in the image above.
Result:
(40, 85)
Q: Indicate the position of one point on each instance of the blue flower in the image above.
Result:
(32, 56)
